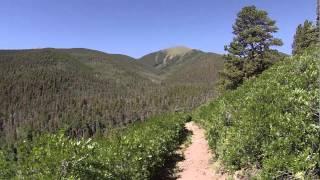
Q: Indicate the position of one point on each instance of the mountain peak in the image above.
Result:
(177, 51)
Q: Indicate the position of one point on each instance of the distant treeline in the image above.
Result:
(46, 90)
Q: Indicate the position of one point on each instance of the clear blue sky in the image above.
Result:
(137, 27)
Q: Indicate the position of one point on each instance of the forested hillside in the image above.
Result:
(269, 126)
(252, 113)
(87, 92)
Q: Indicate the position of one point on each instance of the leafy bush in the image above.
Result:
(271, 122)
(134, 153)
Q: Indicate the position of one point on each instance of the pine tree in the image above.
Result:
(318, 20)
(318, 13)
(306, 36)
(249, 52)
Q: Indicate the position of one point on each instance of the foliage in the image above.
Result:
(270, 123)
(133, 153)
(249, 52)
(88, 92)
(305, 37)
(6, 168)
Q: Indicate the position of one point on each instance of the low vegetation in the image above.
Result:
(270, 123)
(136, 152)
(85, 114)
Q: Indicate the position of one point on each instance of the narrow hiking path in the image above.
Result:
(197, 158)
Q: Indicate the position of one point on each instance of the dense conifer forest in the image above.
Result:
(86, 114)
(87, 92)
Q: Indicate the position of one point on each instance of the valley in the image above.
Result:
(251, 112)
(88, 93)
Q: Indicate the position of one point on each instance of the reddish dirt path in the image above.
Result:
(196, 165)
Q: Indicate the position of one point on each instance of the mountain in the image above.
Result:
(88, 92)
(182, 64)
(107, 63)
(164, 58)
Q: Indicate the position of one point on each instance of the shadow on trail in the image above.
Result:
(170, 170)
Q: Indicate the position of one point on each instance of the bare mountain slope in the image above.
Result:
(185, 65)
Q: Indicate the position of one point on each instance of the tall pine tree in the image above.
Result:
(306, 36)
(249, 53)
(318, 13)
(318, 19)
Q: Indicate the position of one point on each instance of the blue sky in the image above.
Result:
(138, 27)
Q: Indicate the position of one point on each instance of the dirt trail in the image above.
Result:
(196, 165)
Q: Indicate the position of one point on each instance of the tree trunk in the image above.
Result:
(318, 28)
(318, 13)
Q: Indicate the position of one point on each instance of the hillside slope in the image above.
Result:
(270, 125)
(85, 92)
(106, 63)
(182, 64)
(166, 57)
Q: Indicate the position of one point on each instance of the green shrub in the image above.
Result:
(134, 153)
(271, 122)
(6, 169)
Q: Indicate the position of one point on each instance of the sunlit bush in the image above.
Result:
(134, 153)
(271, 122)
